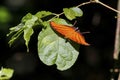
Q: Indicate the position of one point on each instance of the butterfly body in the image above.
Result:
(69, 32)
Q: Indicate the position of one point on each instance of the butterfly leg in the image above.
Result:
(77, 29)
(66, 40)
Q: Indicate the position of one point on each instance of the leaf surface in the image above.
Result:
(53, 49)
(72, 13)
(28, 31)
(6, 73)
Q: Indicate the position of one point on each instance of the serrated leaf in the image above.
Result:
(28, 31)
(42, 14)
(72, 13)
(53, 49)
(6, 73)
(26, 17)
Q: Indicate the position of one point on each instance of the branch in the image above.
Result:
(119, 76)
(117, 11)
(117, 37)
(92, 1)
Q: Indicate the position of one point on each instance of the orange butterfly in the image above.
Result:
(69, 32)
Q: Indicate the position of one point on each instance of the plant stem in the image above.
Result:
(89, 2)
(117, 36)
(99, 2)
(119, 77)
(117, 11)
(85, 3)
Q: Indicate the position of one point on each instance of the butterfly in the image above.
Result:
(69, 32)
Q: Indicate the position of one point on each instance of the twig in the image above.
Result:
(99, 2)
(92, 1)
(85, 3)
(82, 4)
(117, 11)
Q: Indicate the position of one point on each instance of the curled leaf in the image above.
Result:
(28, 31)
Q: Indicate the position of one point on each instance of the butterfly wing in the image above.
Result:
(79, 38)
(69, 32)
(62, 29)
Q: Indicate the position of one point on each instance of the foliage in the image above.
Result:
(52, 48)
(6, 73)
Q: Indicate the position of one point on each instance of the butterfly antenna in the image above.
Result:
(85, 32)
(77, 29)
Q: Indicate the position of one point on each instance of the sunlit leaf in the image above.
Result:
(72, 13)
(6, 73)
(28, 31)
(53, 49)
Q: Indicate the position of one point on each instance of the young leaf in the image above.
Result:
(6, 73)
(28, 31)
(18, 29)
(72, 13)
(15, 29)
(53, 49)
(26, 17)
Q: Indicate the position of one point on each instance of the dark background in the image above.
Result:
(94, 62)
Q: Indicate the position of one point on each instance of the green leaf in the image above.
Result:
(42, 14)
(18, 29)
(6, 73)
(72, 13)
(61, 21)
(53, 49)
(26, 17)
(12, 40)
(28, 31)
(15, 29)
